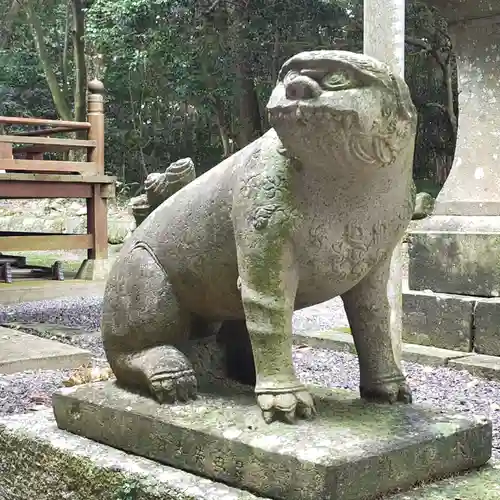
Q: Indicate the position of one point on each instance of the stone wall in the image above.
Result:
(60, 216)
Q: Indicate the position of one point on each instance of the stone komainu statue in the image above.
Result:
(159, 187)
(311, 210)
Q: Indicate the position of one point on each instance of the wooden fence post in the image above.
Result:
(95, 116)
(97, 210)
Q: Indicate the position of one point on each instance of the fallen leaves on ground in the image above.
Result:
(87, 374)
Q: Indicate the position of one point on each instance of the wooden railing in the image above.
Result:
(28, 156)
(27, 173)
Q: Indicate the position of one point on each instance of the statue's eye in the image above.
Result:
(340, 80)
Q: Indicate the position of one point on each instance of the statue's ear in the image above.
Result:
(406, 109)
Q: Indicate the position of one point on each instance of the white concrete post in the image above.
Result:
(384, 34)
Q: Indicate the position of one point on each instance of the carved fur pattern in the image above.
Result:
(272, 194)
(350, 252)
(378, 147)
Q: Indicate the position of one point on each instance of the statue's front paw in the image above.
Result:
(286, 406)
(170, 387)
(387, 392)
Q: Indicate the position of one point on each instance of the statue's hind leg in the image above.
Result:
(144, 329)
(368, 312)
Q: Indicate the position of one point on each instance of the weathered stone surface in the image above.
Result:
(159, 187)
(482, 484)
(261, 233)
(487, 326)
(353, 450)
(39, 461)
(461, 253)
(471, 188)
(424, 204)
(438, 319)
(332, 339)
(329, 339)
(118, 227)
(118, 230)
(429, 355)
(456, 255)
(94, 269)
(479, 365)
(20, 351)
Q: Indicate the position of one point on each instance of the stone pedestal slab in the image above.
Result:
(438, 319)
(482, 484)
(456, 254)
(42, 462)
(479, 365)
(352, 450)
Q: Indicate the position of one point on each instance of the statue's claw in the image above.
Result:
(170, 387)
(288, 406)
(387, 392)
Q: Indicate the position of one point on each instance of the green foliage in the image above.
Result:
(23, 89)
(191, 78)
(22, 74)
(191, 56)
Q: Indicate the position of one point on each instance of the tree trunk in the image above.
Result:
(79, 60)
(60, 102)
(223, 125)
(250, 125)
(65, 54)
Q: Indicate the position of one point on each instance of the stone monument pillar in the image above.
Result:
(383, 38)
(454, 269)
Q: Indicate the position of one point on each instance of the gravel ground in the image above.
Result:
(440, 387)
(73, 311)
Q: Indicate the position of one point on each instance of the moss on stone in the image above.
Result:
(482, 484)
(57, 472)
(340, 329)
(33, 468)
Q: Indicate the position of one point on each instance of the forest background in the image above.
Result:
(191, 78)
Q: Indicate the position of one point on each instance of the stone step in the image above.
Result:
(480, 365)
(21, 351)
(40, 461)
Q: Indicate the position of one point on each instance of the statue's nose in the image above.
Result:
(302, 87)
